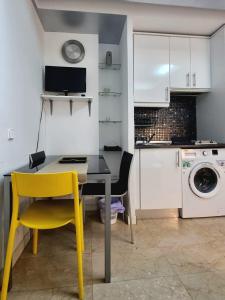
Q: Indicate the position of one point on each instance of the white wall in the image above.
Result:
(127, 86)
(21, 55)
(211, 107)
(79, 133)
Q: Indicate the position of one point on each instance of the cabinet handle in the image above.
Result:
(167, 93)
(188, 79)
(194, 79)
(178, 159)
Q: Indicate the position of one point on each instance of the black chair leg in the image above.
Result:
(124, 210)
(130, 220)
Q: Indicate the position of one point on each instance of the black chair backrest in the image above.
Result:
(35, 159)
(124, 171)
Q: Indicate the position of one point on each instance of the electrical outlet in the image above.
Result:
(11, 134)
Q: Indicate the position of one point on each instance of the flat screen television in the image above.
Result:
(65, 79)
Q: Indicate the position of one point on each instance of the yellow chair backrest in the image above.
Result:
(45, 184)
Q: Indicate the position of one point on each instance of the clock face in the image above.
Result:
(73, 51)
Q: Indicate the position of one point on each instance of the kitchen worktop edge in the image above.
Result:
(165, 146)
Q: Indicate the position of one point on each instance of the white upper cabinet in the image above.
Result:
(189, 63)
(180, 63)
(151, 70)
(164, 62)
(200, 63)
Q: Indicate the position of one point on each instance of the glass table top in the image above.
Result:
(96, 165)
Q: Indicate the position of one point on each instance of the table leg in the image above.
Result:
(108, 228)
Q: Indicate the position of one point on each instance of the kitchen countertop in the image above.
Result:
(163, 145)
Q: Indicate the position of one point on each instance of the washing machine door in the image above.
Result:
(205, 180)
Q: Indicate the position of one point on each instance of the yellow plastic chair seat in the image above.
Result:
(48, 214)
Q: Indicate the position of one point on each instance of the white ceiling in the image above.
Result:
(150, 17)
(108, 27)
(210, 4)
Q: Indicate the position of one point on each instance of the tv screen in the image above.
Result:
(65, 79)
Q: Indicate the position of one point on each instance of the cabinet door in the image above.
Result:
(160, 178)
(200, 63)
(180, 62)
(151, 68)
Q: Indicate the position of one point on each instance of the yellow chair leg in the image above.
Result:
(79, 255)
(82, 225)
(8, 260)
(35, 241)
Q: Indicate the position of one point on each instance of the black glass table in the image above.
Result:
(97, 170)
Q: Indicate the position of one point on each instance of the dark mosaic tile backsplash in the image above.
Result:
(178, 120)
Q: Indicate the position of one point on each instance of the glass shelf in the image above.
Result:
(110, 121)
(112, 94)
(104, 66)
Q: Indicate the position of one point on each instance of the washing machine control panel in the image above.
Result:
(192, 156)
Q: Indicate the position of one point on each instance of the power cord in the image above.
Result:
(39, 127)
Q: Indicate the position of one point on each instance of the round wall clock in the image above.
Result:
(73, 51)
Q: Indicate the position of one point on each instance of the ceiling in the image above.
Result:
(209, 4)
(173, 18)
(109, 27)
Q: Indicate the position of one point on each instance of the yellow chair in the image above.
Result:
(45, 214)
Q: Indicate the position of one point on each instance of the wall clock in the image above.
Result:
(73, 51)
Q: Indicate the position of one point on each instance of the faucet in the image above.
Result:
(151, 137)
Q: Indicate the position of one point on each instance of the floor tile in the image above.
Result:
(205, 286)
(49, 272)
(170, 233)
(133, 263)
(158, 288)
(120, 233)
(66, 293)
(59, 241)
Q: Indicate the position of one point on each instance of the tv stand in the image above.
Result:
(70, 99)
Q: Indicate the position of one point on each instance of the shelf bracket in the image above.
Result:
(51, 106)
(89, 107)
(71, 107)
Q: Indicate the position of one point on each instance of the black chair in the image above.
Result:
(118, 189)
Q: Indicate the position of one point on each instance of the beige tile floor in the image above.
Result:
(171, 259)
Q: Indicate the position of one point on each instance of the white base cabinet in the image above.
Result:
(160, 178)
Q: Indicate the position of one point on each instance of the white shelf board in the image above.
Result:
(66, 98)
(70, 99)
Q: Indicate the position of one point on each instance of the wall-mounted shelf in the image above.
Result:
(112, 94)
(70, 99)
(104, 66)
(110, 121)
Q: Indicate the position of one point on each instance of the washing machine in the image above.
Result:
(203, 183)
